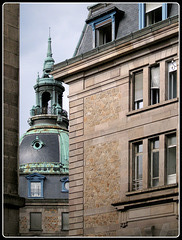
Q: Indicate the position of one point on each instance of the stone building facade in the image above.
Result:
(11, 200)
(124, 122)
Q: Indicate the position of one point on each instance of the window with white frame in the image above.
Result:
(138, 90)
(154, 162)
(171, 158)
(155, 85)
(172, 80)
(137, 166)
(35, 185)
(35, 189)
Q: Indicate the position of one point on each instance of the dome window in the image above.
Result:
(37, 143)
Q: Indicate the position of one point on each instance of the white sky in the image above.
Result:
(66, 21)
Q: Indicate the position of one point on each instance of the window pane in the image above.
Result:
(155, 164)
(154, 96)
(139, 169)
(65, 221)
(104, 34)
(139, 86)
(155, 182)
(139, 148)
(35, 189)
(172, 140)
(174, 84)
(36, 221)
(171, 161)
(155, 77)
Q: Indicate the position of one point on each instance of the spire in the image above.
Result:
(49, 61)
(49, 50)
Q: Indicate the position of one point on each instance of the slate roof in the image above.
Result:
(127, 24)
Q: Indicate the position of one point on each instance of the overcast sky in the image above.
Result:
(66, 21)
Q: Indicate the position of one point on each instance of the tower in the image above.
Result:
(44, 153)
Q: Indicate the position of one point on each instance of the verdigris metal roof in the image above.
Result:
(44, 151)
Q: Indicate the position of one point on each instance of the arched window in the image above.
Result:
(46, 97)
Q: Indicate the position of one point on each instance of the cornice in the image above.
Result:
(121, 47)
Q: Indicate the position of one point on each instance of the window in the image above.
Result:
(138, 90)
(35, 188)
(65, 221)
(103, 34)
(172, 80)
(171, 159)
(153, 13)
(37, 143)
(35, 185)
(36, 221)
(154, 163)
(150, 13)
(155, 85)
(104, 25)
(137, 166)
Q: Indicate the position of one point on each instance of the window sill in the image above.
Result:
(152, 107)
(36, 230)
(153, 189)
(153, 196)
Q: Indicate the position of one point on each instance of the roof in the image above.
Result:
(127, 22)
(44, 152)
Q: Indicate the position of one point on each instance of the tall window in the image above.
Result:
(35, 188)
(171, 158)
(138, 166)
(155, 85)
(153, 13)
(35, 185)
(154, 163)
(65, 221)
(36, 221)
(103, 33)
(172, 80)
(138, 90)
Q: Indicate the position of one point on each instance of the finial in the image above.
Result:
(49, 32)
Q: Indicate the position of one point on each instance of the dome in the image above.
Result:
(44, 151)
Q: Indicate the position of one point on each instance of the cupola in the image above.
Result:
(49, 93)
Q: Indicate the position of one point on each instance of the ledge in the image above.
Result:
(152, 106)
(110, 45)
(14, 201)
(148, 199)
(159, 188)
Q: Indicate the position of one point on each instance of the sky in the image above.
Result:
(66, 22)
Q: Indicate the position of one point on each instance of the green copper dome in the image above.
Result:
(45, 151)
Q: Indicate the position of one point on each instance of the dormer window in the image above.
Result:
(150, 13)
(104, 26)
(153, 13)
(35, 185)
(103, 33)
